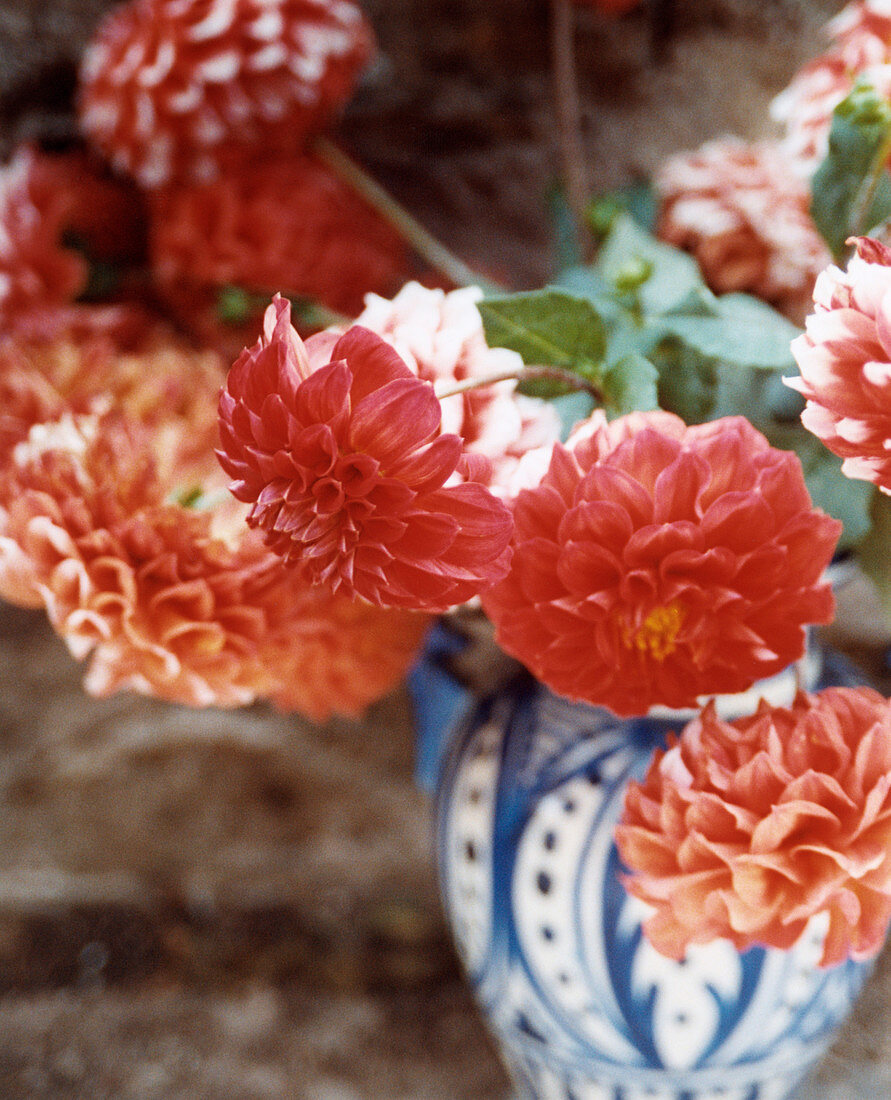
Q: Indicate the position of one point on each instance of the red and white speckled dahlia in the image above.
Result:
(657, 563)
(746, 830)
(744, 214)
(176, 89)
(844, 357)
(285, 224)
(337, 447)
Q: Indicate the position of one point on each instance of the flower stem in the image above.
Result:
(552, 374)
(423, 242)
(569, 116)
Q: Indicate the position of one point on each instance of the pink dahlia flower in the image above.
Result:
(287, 224)
(178, 89)
(337, 447)
(844, 357)
(440, 336)
(165, 599)
(35, 270)
(657, 563)
(746, 830)
(739, 208)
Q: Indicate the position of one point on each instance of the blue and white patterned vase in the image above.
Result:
(528, 789)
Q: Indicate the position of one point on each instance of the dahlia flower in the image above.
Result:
(178, 89)
(35, 270)
(337, 447)
(285, 224)
(741, 211)
(657, 563)
(440, 336)
(164, 599)
(844, 357)
(746, 830)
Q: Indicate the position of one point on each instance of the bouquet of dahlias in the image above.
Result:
(612, 468)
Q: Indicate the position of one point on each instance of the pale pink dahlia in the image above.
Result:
(746, 830)
(844, 357)
(182, 604)
(742, 212)
(656, 563)
(179, 89)
(337, 447)
(285, 224)
(440, 336)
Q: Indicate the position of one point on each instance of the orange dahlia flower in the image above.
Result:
(844, 357)
(286, 224)
(35, 270)
(746, 830)
(440, 336)
(337, 447)
(164, 599)
(657, 563)
(745, 216)
(177, 89)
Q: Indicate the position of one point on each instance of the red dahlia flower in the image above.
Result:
(163, 599)
(337, 447)
(176, 89)
(657, 563)
(844, 357)
(746, 830)
(287, 224)
(35, 270)
(745, 216)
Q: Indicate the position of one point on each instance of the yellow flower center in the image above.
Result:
(657, 634)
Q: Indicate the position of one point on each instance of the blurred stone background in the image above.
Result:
(238, 904)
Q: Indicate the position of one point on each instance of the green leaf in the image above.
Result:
(637, 199)
(674, 274)
(873, 553)
(630, 384)
(851, 188)
(547, 328)
(687, 382)
(565, 231)
(742, 331)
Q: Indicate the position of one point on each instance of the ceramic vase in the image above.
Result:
(528, 788)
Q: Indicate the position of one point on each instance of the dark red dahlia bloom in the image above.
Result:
(657, 563)
(337, 446)
(177, 89)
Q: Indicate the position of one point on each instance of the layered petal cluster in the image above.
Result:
(744, 214)
(163, 599)
(337, 447)
(284, 224)
(860, 46)
(440, 336)
(746, 830)
(35, 270)
(657, 563)
(844, 357)
(178, 89)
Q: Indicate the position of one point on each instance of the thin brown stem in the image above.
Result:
(569, 116)
(551, 374)
(423, 242)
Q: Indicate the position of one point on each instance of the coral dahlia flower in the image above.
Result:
(746, 830)
(657, 563)
(164, 599)
(337, 447)
(35, 270)
(440, 336)
(178, 89)
(284, 224)
(743, 213)
(844, 357)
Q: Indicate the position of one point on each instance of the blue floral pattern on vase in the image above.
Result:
(530, 787)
